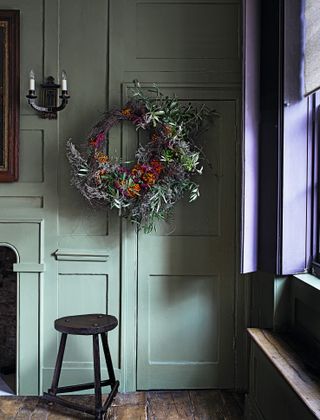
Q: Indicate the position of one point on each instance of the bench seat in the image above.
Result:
(282, 383)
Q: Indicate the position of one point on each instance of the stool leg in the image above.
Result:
(107, 355)
(57, 369)
(97, 376)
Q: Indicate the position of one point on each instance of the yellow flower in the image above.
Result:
(134, 190)
(126, 112)
(149, 178)
(101, 157)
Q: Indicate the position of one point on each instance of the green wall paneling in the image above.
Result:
(94, 42)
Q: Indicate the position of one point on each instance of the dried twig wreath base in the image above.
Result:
(146, 190)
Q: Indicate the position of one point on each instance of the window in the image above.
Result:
(286, 139)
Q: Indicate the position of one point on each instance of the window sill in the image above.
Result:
(309, 279)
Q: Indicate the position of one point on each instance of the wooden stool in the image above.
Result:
(91, 324)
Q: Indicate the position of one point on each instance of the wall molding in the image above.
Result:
(29, 268)
(64, 254)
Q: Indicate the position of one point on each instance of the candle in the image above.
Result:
(32, 82)
(64, 80)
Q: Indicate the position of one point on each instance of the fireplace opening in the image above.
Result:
(8, 321)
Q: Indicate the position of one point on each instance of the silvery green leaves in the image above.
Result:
(79, 165)
(194, 191)
(190, 162)
(185, 119)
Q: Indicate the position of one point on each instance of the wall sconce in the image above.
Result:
(48, 107)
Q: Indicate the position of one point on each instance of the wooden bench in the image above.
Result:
(299, 381)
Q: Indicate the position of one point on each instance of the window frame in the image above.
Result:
(287, 216)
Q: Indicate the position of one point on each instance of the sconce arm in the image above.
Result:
(65, 98)
(52, 111)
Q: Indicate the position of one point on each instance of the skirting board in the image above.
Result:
(251, 410)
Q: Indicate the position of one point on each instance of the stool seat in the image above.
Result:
(86, 324)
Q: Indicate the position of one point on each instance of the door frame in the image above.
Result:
(129, 259)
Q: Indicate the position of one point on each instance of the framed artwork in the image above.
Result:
(9, 94)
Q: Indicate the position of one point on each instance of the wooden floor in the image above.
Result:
(155, 405)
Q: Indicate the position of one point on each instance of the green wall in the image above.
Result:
(76, 248)
(83, 260)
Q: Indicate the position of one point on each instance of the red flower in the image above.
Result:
(157, 166)
(95, 142)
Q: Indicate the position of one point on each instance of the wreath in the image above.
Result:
(144, 191)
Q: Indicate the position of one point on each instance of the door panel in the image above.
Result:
(172, 324)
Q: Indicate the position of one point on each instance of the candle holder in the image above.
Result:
(48, 107)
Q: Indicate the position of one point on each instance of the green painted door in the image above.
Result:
(186, 276)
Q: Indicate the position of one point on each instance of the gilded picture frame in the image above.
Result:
(9, 94)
